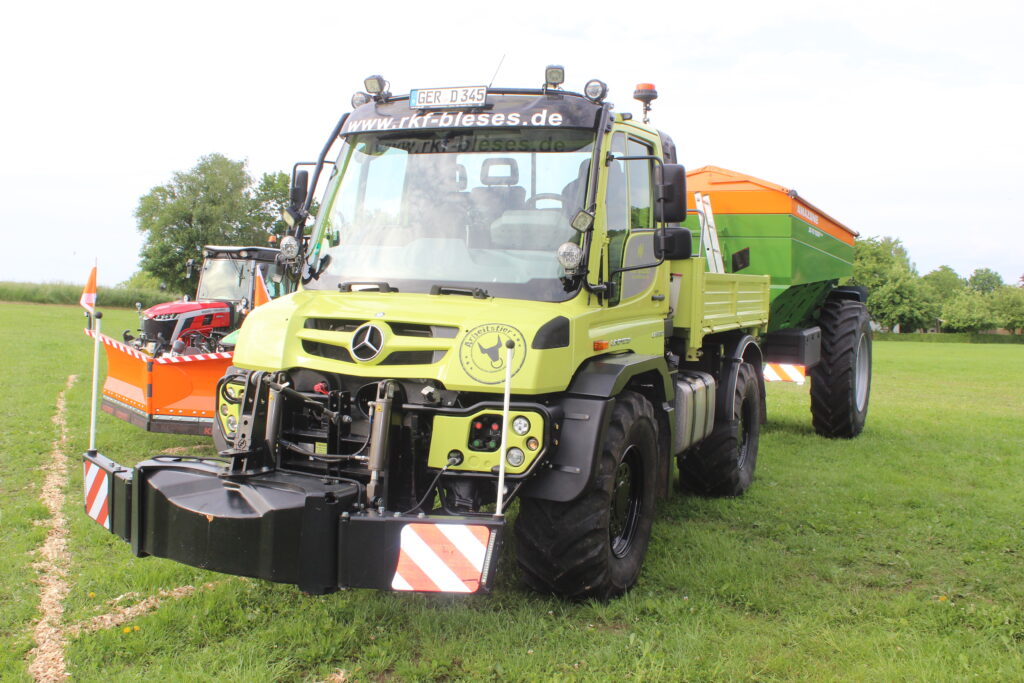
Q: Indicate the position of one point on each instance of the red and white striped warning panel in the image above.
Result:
(441, 558)
(96, 504)
(220, 355)
(163, 360)
(783, 372)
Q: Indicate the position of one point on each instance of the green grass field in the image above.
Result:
(896, 556)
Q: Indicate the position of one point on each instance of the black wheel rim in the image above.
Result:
(627, 494)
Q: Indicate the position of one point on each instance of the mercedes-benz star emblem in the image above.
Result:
(367, 341)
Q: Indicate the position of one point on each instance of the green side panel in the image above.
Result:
(782, 246)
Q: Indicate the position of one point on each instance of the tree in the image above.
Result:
(968, 311)
(943, 283)
(904, 301)
(879, 259)
(895, 294)
(985, 280)
(1008, 308)
(269, 200)
(213, 203)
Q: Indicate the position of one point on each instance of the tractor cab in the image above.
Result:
(227, 291)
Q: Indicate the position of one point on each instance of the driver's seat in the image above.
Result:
(500, 192)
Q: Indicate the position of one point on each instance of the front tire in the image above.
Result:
(594, 546)
(723, 463)
(841, 381)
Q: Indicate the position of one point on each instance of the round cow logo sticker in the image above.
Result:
(483, 352)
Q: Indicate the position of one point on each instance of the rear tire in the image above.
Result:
(723, 463)
(594, 546)
(841, 381)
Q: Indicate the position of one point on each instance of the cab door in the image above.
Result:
(637, 307)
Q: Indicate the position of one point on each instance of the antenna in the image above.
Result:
(500, 62)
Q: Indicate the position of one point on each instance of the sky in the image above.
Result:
(898, 118)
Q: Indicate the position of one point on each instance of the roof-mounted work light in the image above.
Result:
(554, 76)
(377, 87)
(595, 90)
(359, 99)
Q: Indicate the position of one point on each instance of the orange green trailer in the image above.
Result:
(501, 303)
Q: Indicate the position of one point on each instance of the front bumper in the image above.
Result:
(286, 527)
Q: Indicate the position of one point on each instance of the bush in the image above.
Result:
(64, 293)
(951, 338)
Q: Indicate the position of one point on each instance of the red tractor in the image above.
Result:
(228, 289)
(163, 380)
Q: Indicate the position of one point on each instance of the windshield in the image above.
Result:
(224, 279)
(468, 209)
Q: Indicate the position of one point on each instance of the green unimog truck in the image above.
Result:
(505, 299)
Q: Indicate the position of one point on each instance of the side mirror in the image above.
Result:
(300, 188)
(672, 187)
(673, 244)
(189, 267)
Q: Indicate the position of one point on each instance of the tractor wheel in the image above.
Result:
(594, 546)
(841, 381)
(723, 463)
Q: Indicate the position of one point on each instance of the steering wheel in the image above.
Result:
(532, 201)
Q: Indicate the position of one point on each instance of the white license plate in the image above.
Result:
(443, 98)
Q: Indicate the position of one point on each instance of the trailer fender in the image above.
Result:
(739, 348)
(853, 293)
(587, 407)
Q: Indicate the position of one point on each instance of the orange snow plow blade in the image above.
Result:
(173, 394)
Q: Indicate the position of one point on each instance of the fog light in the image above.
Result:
(374, 85)
(520, 425)
(515, 457)
(289, 247)
(532, 443)
(570, 256)
(359, 99)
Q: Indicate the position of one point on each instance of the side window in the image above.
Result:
(628, 203)
(639, 188)
(616, 203)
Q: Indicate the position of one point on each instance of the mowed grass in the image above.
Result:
(895, 556)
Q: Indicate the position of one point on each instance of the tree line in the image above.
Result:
(941, 300)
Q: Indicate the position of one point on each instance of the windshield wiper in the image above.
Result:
(364, 286)
(475, 292)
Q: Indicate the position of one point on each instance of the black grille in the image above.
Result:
(333, 324)
(326, 350)
(156, 329)
(400, 329)
(413, 358)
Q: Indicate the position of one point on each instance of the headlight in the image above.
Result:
(515, 457)
(521, 425)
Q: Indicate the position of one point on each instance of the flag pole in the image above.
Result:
(95, 379)
(500, 503)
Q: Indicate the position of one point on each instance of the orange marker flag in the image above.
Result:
(88, 300)
(260, 293)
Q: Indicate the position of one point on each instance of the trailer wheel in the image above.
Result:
(723, 463)
(841, 381)
(594, 546)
